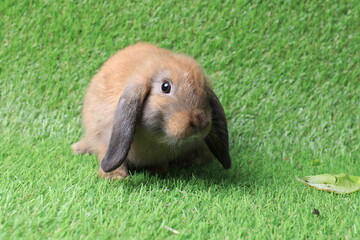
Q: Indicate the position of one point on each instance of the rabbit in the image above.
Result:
(148, 107)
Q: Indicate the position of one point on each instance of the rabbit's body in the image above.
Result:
(148, 127)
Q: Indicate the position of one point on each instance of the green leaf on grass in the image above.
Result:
(339, 183)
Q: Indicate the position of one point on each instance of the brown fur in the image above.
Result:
(172, 126)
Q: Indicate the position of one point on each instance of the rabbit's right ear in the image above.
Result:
(127, 113)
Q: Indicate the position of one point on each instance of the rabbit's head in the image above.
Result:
(170, 97)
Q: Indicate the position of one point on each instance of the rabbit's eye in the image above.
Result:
(166, 87)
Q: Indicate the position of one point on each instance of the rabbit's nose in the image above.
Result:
(199, 119)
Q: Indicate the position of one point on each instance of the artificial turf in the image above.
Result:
(286, 72)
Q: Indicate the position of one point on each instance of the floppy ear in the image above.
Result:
(218, 138)
(127, 113)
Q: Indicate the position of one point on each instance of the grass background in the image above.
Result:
(287, 73)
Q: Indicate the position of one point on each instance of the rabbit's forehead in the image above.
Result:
(188, 77)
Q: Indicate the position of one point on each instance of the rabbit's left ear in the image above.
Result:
(128, 112)
(218, 138)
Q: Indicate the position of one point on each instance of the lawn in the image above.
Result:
(286, 72)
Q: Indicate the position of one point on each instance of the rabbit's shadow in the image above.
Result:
(201, 178)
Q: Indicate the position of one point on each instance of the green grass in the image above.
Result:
(287, 73)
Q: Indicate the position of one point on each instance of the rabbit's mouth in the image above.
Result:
(186, 138)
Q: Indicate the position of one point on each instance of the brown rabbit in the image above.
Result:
(148, 106)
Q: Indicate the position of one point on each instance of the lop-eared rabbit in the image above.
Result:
(147, 107)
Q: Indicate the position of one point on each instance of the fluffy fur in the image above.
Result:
(131, 123)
